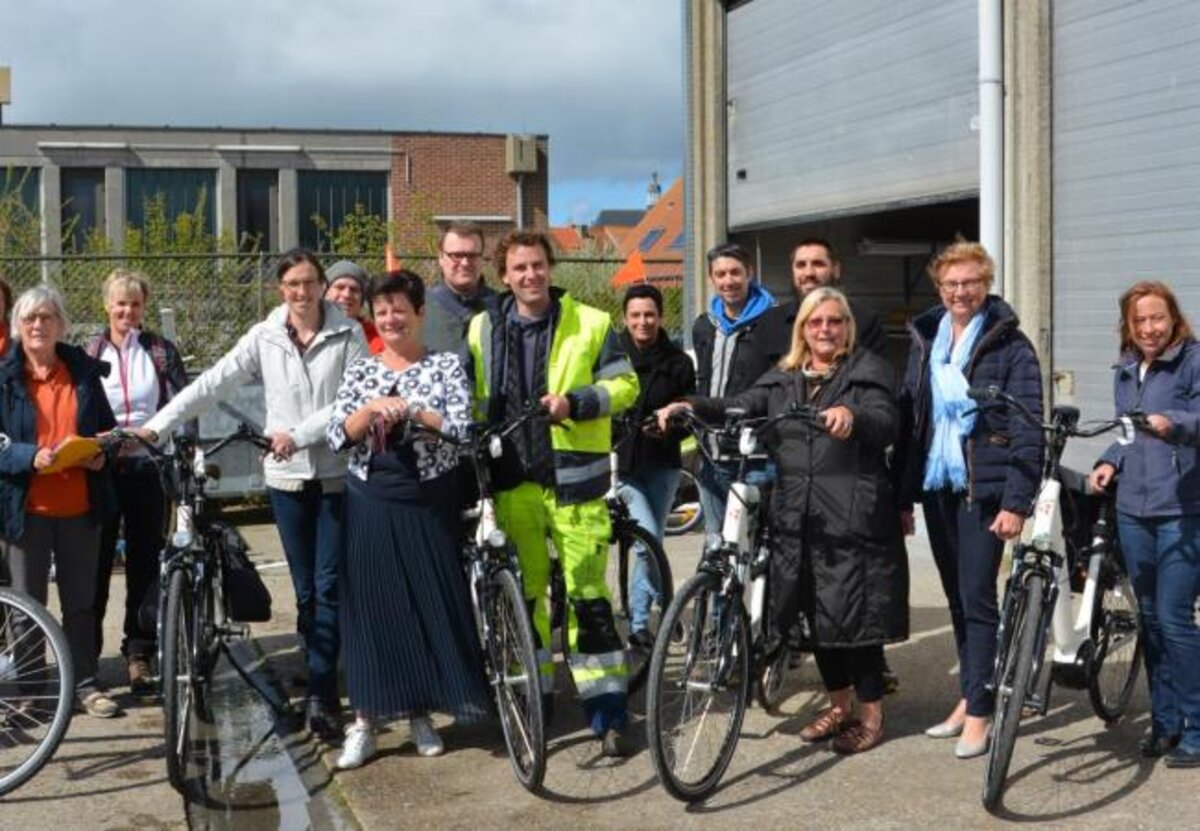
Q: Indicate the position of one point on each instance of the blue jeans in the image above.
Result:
(714, 481)
(648, 493)
(310, 528)
(1162, 555)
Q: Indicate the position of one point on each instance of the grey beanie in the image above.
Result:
(346, 268)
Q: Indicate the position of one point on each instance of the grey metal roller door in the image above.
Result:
(837, 107)
(1126, 104)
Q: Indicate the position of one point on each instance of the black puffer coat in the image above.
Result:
(834, 511)
(665, 374)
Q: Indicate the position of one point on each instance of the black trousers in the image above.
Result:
(143, 509)
(857, 666)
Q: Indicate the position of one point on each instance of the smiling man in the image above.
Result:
(735, 344)
(461, 294)
(537, 344)
(814, 263)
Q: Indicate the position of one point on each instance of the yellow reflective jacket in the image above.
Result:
(586, 363)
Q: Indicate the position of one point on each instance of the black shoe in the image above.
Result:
(642, 640)
(615, 744)
(1156, 745)
(1180, 758)
(323, 721)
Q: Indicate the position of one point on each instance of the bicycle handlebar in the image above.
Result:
(992, 394)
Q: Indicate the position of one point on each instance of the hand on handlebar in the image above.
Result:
(663, 414)
(558, 407)
(1158, 424)
(283, 446)
(839, 421)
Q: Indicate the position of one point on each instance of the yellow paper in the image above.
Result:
(72, 451)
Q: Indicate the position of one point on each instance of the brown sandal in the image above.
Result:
(858, 738)
(828, 723)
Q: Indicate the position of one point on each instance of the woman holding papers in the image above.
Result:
(54, 494)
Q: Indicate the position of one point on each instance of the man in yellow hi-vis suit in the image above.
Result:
(535, 343)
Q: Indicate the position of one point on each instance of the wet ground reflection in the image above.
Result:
(260, 771)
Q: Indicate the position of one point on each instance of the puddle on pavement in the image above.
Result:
(263, 772)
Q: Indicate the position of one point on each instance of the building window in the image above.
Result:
(326, 197)
(258, 210)
(81, 190)
(183, 190)
(652, 236)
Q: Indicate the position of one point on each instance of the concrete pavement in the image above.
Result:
(1068, 770)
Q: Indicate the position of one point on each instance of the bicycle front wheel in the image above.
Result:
(1012, 683)
(37, 687)
(1117, 642)
(513, 656)
(178, 673)
(641, 587)
(697, 688)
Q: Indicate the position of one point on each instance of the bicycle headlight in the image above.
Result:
(497, 539)
(495, 447)
(181, 539)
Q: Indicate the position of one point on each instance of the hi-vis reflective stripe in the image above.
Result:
(484, 371)
(599, 674)
(621, 366)
(546, 670)
(583, 473)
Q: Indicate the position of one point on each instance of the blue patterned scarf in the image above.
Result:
(953, 411)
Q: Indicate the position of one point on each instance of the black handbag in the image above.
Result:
(247, 598)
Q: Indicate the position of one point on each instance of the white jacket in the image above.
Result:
(299, 389)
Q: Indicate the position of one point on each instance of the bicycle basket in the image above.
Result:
(247, 598)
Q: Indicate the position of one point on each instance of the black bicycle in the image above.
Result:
(194, 623)
(717, 638)
(1100, 650)
(498, 602)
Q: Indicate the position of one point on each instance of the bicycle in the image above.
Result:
(193, 624)
(37, 685)
(701, 666)
(498, 603)
(1101, 648)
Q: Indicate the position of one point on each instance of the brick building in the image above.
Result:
(269, 186)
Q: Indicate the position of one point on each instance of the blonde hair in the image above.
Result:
(797, 357)
(962, 251)
(126, 281)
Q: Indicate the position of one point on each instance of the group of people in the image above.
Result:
(368, 515)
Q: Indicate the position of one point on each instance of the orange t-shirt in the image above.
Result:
(65, 493)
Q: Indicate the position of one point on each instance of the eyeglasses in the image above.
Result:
(39, 317)
(298, 285)
(821, 322)
(463, 256)
(951, 287)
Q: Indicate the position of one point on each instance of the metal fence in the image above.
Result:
(215, 298)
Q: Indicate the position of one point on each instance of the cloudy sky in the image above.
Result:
(603, 78)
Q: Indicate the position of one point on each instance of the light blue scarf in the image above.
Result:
(953, 412)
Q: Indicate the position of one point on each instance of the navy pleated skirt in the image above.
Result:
(408, 636)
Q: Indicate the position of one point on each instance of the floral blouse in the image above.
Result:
(437, 382)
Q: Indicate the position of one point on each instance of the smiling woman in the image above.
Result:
(52, 391)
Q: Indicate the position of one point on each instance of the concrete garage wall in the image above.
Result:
(838, 108)
(1126, 198)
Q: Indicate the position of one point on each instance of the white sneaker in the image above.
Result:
(425, 737)
(358, 746)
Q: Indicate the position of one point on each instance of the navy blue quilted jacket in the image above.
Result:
(1004, 451)
(1160, 478)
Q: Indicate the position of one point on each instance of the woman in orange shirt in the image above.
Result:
(49, 391)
